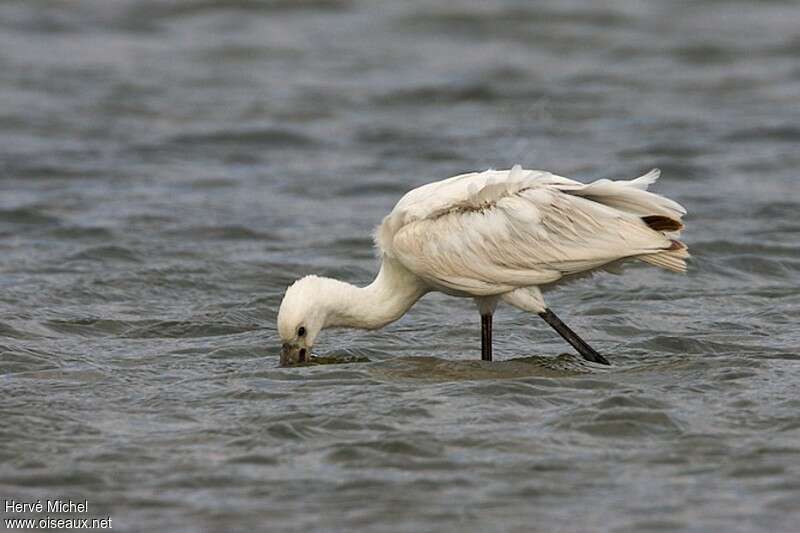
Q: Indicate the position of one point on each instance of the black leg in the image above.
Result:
(486, 337)
(571, 337)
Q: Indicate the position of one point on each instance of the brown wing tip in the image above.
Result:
(662, 223)
(677, 245)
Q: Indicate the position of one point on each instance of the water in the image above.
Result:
(167, 168)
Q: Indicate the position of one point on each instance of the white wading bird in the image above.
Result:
(494, 235)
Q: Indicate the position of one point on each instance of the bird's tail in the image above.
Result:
(673, 258)
(632, 196)
(658, 212)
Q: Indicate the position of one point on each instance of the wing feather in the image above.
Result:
(533, 237)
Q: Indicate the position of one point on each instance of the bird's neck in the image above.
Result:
(383, 301)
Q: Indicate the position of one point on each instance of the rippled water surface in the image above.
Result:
(168, 167)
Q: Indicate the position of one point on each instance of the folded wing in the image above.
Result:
(530, 232)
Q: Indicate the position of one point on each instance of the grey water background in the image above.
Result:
(167, 168)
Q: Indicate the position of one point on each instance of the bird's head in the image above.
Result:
(300, 319)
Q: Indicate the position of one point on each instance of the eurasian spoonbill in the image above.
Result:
(491, 236)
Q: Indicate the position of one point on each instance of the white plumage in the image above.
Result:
(490, 235)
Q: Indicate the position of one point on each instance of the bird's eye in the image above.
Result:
(302, 358)
(301, 331)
